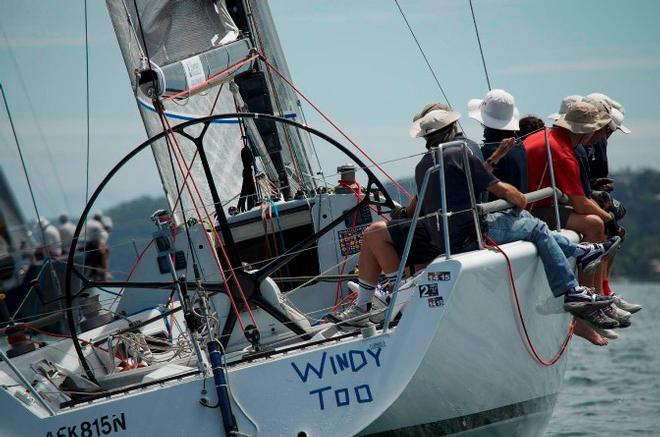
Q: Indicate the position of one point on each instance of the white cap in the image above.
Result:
(44, 222)
(433, 122)
(563, 107)
(497, 110)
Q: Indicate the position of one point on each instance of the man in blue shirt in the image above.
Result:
(499, 117)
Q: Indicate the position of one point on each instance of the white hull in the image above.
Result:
(478, 377)
(457, 367)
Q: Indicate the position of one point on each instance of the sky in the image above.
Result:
(355, 59)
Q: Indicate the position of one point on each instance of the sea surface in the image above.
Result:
(615, 390)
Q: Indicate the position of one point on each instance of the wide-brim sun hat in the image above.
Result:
(583, 118)
(563, 106)
(432, 122)
(617, 121)
(615, 110)
(497, 110)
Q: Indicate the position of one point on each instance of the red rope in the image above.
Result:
(212, 78)
(217, 237)
(530, 346)
(341, 132)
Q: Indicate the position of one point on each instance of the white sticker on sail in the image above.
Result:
(194, 71)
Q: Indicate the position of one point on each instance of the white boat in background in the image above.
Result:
(205, 336)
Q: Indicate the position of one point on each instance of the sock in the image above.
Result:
(390, 277)
(365, 294)
(607, 291)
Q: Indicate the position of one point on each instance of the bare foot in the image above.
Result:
(586, 332)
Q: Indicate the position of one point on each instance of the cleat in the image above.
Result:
(620, 302)
(599, 321)
(621, 316)
(596, 252)
(582, 299)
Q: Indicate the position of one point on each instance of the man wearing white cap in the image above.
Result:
(499, 116)
(383, 243)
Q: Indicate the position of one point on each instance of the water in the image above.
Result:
(615, 390)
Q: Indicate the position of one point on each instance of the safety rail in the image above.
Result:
(534, 196)
(476, 209)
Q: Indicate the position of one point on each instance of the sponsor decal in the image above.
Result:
(439, 276)
(435, 302)
(350, 240)
(428, 290)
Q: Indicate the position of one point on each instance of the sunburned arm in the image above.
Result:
(509, 193)
(584, 205)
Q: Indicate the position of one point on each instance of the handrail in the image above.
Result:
(439, 167)
(476, 209)
(533, 196)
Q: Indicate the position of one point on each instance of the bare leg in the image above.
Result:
(377, 253)
(593, 230)
(585, 331)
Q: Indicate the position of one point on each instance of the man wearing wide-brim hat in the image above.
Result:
(581, 124)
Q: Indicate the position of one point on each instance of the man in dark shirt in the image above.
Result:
(499, 116)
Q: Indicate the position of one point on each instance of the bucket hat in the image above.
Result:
(616, 110)
(563, 107)
(417, 119)
(497, 110)
(433, 122)
(583, 118)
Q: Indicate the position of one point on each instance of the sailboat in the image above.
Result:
(206, 336)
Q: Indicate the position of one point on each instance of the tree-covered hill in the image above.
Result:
(639, 258)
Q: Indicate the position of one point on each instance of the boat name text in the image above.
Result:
(355, 360)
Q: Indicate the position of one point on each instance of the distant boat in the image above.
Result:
(219, 328)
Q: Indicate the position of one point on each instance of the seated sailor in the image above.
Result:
(383, 243)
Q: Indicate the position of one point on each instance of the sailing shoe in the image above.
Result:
(598, 320)
(352, 316)
(616, 313)
(595, 252)
(378, 309)
(620, 302)
(581, 299)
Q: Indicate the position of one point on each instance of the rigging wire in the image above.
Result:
(25, 171)
(481, 50)
(40, 132)
(421, 50)
(86, 104)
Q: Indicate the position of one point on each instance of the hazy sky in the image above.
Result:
(355, 59)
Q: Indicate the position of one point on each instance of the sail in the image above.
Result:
(176, 48)
(13, 229)
(169, 38)
(283, 96)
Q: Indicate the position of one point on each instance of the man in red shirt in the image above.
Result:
(583, 123)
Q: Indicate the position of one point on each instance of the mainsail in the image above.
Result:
(181, 66)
